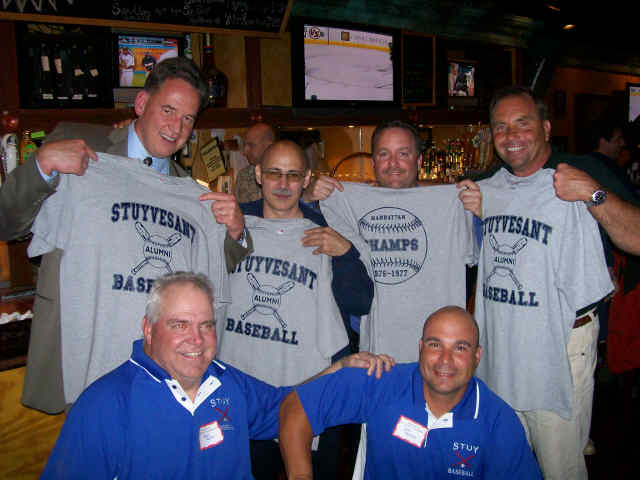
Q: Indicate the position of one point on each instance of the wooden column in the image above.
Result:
(254, 72)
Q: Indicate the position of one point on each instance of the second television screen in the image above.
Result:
(344, 64)
(137, 55)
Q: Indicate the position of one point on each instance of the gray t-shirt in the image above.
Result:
(120, 226)
(283, 325)
(416, 243)
(541, 261)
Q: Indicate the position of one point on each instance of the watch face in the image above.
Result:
(598, 197)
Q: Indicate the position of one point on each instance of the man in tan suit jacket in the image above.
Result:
(167, 108)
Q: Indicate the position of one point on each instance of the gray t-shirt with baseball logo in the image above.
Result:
(416, 243)
(541, 261)
(121, 225)
(284, 324)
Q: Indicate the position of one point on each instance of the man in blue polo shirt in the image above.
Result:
(432, 419)
(171, 411)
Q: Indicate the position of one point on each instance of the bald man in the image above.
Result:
(432, 417)
(256, 140)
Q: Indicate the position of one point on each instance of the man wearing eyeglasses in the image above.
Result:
(286, 326)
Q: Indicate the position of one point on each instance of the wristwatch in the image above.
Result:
(597, 198)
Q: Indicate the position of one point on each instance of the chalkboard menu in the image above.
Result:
(249, 15)
(418, 69)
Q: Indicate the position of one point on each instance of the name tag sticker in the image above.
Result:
(210, 435)
(410, 431)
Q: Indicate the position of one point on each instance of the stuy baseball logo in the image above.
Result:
(504, 259)
(266, 299)
(398, 243)
(157, 250)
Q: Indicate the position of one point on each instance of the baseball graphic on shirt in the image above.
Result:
(156, 249)
(398, 243)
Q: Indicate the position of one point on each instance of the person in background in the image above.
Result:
(127, 65)
(256, 140)
(431, 419)
(172, 411)
(166, 110)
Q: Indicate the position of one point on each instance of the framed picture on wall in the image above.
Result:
(633, 101)
(462, 78)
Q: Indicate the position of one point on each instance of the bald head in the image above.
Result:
(452, 313)
(256, 140)
(285, 148)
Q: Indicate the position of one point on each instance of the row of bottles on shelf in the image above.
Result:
(459, 157)
(66, 73)
(14, 152)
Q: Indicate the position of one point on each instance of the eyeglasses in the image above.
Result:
(292, 176)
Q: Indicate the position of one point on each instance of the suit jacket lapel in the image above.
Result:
(118, 138)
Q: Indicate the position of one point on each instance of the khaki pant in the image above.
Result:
(559, 443)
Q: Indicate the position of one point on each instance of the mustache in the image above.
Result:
(282, 191)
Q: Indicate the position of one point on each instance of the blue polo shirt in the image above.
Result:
(481, 437)
(136, 422)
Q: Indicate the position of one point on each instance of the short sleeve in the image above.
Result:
(580, 268)
(510, 455)
(263, 406)
(51, 228)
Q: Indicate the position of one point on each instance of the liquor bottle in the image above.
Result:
(188, 51)
(46, 76)
(27, 147)
(62, 90)
(78, 76)
(38, 137)
(9, 153)
(93, 73)
(216, 79)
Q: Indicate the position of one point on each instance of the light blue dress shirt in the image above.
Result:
(135, 149)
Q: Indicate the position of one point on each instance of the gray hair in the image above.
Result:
(161, 284)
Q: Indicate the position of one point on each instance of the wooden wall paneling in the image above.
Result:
(575, 81)
(230, 59)
(275, 64)
(254, 72)
(5, 266)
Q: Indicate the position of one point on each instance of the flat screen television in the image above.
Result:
(343, 64)
(136, 54)
(633, 100)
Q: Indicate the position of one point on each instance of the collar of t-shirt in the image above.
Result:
(135, 149)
